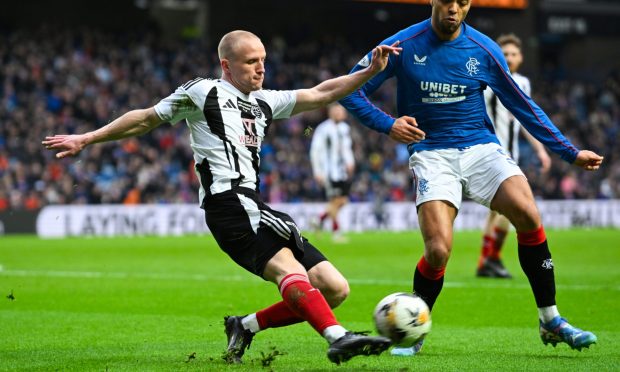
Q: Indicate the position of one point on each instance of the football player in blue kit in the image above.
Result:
(441, 73)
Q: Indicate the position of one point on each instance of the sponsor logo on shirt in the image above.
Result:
(229, 104)
(419, 60)
(250, 138)
(442, 92)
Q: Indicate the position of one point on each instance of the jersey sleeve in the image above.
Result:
(318, 151)
(358, 103)
(281, 102)
(525, 110)
(347, 146)
(177, 106)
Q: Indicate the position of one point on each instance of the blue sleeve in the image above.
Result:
(358, 103)
(527, 112)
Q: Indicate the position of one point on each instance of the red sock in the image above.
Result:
(322, 217)
(487, 246)
(429, 272)
(500, 237)
(277, 315)
(428, 281)
(307, 302)
(335, 225)
(532, 238)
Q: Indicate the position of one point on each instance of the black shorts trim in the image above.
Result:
(334, 189)
(251, 233)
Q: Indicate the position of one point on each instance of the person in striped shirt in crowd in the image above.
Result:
(333, 163)
(507, 130)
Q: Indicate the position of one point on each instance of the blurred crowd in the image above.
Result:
(74, 80)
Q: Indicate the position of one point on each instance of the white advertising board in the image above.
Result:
(181, 219)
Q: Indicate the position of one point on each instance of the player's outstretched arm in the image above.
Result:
(588, 160)
(334, 89)
(133, 123)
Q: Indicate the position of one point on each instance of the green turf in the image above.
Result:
(128, 304)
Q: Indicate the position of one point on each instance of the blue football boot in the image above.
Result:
(559, 330)
(407, 351)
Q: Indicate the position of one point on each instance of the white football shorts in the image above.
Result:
(449, 174)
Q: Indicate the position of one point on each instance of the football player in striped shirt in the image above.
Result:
(228, 118)
(331, 154)
(507, 129)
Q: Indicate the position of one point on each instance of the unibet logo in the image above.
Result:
(442, 92)
(431, 86)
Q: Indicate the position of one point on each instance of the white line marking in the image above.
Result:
(238, 278)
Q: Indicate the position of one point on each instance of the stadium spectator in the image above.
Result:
(228, 119)
(443, 68)
(333, 164)
(588, 111)
(507, 130)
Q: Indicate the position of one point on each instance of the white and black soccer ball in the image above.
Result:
(403, 317)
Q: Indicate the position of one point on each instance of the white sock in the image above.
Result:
(332, 333)
(547, 313)
(251, 323)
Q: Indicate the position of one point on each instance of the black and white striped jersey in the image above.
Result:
(331, 150)
(226, 129)
(506, 126)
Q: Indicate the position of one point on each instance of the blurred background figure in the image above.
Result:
(333, 164)
(507, 129)
(65, 66)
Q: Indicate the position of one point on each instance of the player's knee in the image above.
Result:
(437, 253)
(526, 219)
(336, 292)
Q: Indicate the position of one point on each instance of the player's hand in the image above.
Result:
(588, 160)
(545, 161)
(381, 54)
(320, 180)
(66, 144)
(350, 170)
(405, 129)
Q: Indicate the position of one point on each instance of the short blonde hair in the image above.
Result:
(229, 42)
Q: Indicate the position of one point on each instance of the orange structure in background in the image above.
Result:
(509, 4)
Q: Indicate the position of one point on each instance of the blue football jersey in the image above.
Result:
(441, 84)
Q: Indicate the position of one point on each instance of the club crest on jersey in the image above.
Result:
(249, 108)
(250, 138)
(419, 60)
(472, 66)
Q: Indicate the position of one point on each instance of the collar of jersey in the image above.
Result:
(229, 85)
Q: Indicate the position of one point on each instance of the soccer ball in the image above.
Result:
(404, 318)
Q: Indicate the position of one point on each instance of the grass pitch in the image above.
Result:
(156, 304)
